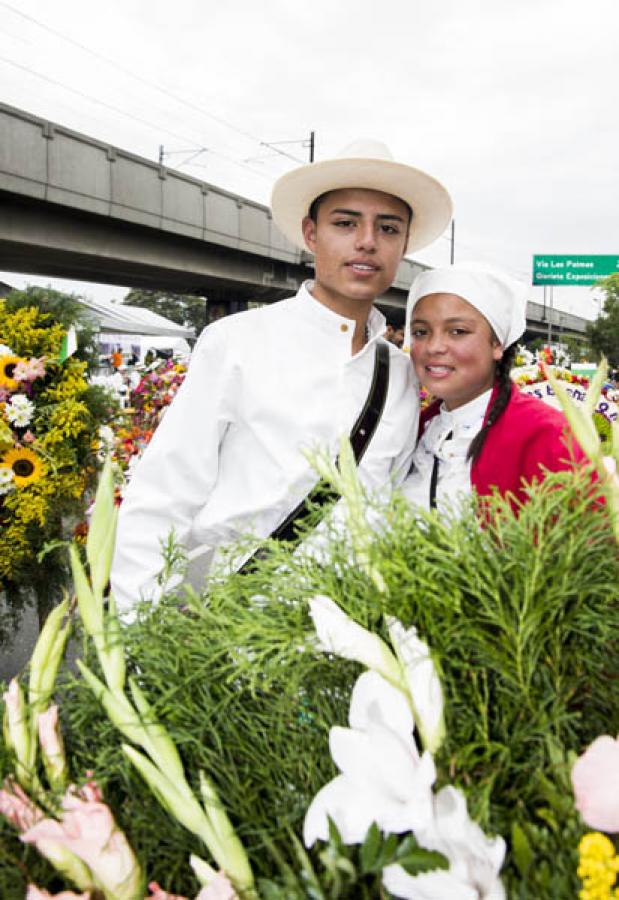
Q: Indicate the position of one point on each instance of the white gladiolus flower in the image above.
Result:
(423, 683)
(430, 886)
(474, 859)
(342, 636)
(383, 778)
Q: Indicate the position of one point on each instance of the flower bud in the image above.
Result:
(52, 748)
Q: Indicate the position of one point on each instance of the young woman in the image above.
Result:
(480, 432)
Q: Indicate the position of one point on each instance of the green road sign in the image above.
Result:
(573, 270)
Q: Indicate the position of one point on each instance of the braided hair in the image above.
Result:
(503, 379)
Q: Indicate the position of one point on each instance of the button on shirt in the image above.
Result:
(454, 469)
(227, 459)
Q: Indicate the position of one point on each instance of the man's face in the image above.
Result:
(358, 240)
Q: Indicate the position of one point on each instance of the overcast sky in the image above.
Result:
(514, 106)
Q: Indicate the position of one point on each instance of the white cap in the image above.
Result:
(501, 299)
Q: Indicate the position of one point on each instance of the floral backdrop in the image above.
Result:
(49, 422)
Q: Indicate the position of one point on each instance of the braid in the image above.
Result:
(503, 379)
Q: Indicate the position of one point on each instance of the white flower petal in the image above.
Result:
(341, 635)
(376, 756)
(437, 885)
(423, 683)
(376, 702)
(6, 475)
(352, 810)
(473, 857)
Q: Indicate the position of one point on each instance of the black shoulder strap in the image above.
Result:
(360, 436)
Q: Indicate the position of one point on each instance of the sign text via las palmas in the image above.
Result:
(573, 270)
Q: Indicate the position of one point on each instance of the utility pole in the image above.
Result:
(453, 241)
(311, 147)
(550, 310)
(161, 154)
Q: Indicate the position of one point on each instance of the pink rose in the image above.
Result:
(28, 437)
(88, 831)
(35, 893)
(17, 806)
(595, 779)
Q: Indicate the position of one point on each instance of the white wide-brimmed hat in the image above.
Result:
(363, 164)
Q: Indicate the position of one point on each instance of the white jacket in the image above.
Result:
(226, 459)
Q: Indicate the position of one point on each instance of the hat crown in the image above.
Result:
(366, 148)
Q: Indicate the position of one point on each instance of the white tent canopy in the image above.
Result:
(120, 319)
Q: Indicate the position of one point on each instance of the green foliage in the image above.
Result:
(353, 871)
(185, 309)
(603, 333)
(522, 617)
(63, 309)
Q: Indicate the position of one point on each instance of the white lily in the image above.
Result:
(383, 778)
(422, 681)
(474, 859)
(341, 635)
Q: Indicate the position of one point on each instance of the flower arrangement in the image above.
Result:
(147, 403)
(48, 424)
(453, 673)
(534, 374)
(537, 380)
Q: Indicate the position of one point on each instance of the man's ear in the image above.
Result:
(308, 227)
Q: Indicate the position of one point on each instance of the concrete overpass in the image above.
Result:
(74, 207)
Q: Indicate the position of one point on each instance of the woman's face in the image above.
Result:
(453, 349)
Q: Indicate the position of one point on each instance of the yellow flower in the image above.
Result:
(26, 465)
(7, 367)
(598, 867)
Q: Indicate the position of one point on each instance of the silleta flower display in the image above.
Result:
(398, 718)
(47, 431)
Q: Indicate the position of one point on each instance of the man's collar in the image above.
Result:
(330, 319)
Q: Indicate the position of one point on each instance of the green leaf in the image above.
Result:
(370, 849)
(335, 838)
(391, 848)
(415, 859)
(521, 849)
(421, 860)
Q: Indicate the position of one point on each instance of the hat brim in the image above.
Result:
(295, 191)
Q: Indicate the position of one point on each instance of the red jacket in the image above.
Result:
(529, 436)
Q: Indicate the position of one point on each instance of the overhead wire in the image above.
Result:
(129, 72)
(146, 81)
(155, 126)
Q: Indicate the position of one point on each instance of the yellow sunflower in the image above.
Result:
(7, 367)
(27, 466)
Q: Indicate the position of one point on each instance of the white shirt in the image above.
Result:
(226, 459)
(454, 469)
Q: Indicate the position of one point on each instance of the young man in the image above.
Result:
(263, 385)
